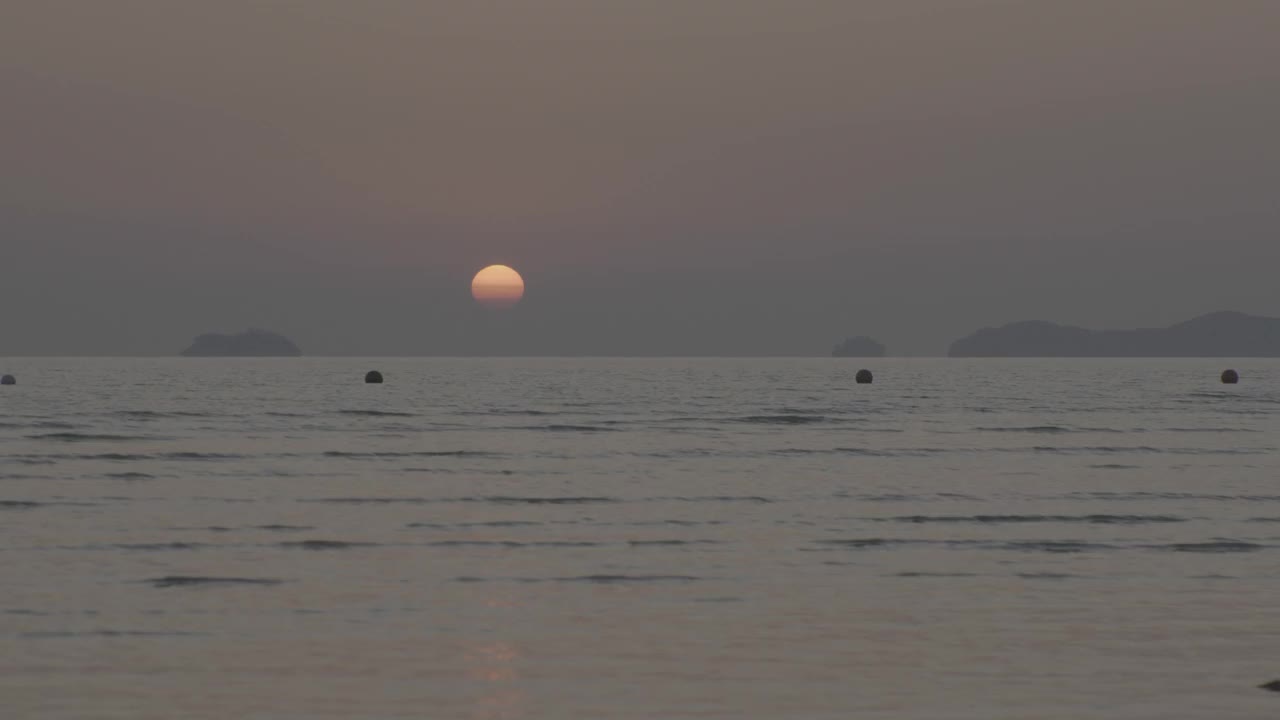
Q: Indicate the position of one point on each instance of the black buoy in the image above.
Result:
(373, 376)
(8, 380)
(863, 377)
(1230, 377)
(1273, 686)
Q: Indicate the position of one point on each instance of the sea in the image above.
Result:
(639, 538)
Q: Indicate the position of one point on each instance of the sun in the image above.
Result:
(497, 286)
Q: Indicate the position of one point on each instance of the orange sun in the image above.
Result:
(497, 286)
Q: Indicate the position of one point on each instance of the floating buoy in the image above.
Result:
(373, 376)
(1273, 686)
(1230, 377)
(863, 377)
(8, 380)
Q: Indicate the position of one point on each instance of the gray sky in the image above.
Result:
(670, 176)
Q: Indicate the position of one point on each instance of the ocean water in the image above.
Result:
(639, 538)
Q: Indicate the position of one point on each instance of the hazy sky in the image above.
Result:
(670, 176)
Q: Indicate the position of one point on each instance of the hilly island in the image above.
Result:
(1219, 334)
(250, 343)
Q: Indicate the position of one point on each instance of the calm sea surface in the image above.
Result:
(707, 538)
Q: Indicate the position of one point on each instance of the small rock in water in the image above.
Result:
(8, 380)
(1230, 377)
(863, 377)
(1273, 686)
(373, 376)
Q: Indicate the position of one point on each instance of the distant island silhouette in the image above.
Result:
(1219, 334)
(860, 346)
(250, 343)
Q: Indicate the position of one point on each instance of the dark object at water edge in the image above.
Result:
(373, 376)
(8, 380)
(863, 377)
(1231, 377)
(1273, 686)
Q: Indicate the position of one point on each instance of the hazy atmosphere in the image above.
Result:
(713, 177)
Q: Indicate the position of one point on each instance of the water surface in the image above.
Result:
(594, 538)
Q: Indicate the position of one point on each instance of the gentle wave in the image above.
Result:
(529, 413)
(56, 634)
(865, 452)
(160, 546)
(1097, 449)
(409, 454)
(92, 437)
(1216, 546)
(1142, 495)
(514, 543)
(611, 579)
(1004, 519)
(670, 543)
(32, 504)
(371, 500)
(158, 415)
(53, 458)
(568, 500)
(676, 523)
(1211, 430)
(715, 498)
(499, 523)
(39, 425)
(907, 452)
(869, 542)
(325, 544)
(1050, 429)
(1114, 466)
(907, 497)
(200, 456)
(1054, 546)
(1143, 449)
(591, 579)
(493, 523)
(225, 529)
(788, 419)
(172, 581)
(1051, 546)
(495, 499)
